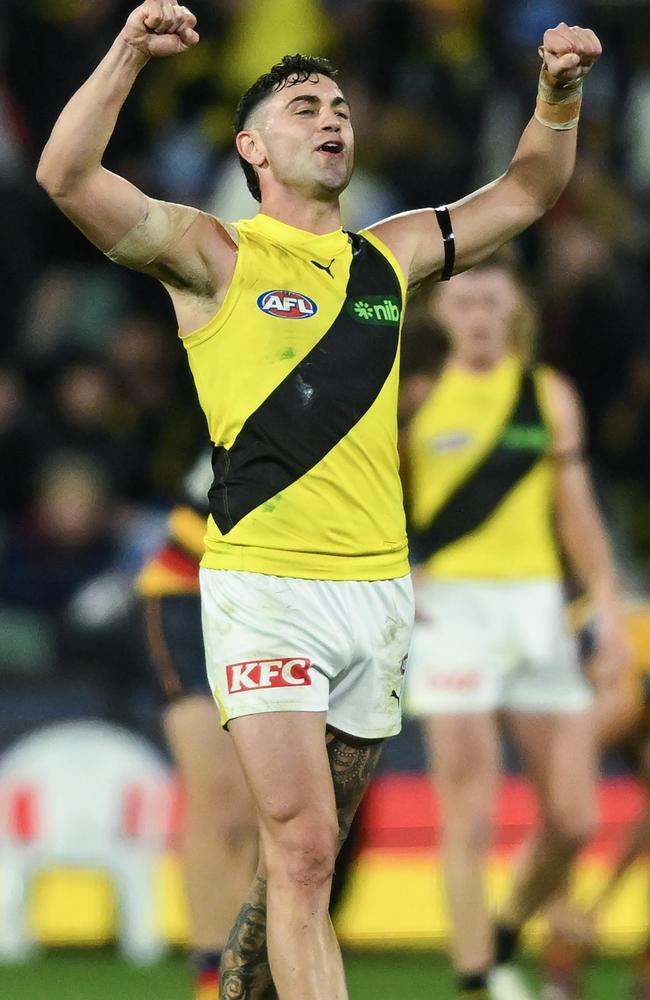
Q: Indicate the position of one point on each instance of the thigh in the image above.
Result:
(466, 760)
(205, 755)
(174, 644)
(559, 754)
(285, 761)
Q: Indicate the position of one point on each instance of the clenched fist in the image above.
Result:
(159, 28)
(569, 53)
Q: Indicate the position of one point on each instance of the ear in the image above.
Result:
(251, 147)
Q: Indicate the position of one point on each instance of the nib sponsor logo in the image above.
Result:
(257, 674)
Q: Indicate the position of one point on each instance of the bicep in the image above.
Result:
(480, 223)
(103, 206)
(146, 234)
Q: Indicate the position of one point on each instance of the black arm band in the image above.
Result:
(448, 240)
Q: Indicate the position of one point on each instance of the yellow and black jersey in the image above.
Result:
(481, 476)
(298, 374)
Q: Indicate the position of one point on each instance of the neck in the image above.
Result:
(294, 209)
(478, 363)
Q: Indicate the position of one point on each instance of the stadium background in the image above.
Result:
(98, 418)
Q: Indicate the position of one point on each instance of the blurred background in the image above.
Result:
(98, 416)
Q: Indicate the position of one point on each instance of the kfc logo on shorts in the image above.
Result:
(467, 680)
(287, 305)
(290, 672)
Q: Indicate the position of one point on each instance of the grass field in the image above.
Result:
(80, 976)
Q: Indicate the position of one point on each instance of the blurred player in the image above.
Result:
(219, 840)
(292, 329)
(622, 722)
(495, 467)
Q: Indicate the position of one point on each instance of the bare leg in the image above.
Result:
(220, 836)
(466, 767)
(245, 972)
(559, 754)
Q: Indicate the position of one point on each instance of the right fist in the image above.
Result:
(159, 28)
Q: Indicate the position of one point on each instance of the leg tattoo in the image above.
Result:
(245, 972)
(352, 764)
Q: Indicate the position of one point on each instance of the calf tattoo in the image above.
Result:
(245, 972)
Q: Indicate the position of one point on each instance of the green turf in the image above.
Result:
(91, 976)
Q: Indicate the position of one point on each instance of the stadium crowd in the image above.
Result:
(98, 418)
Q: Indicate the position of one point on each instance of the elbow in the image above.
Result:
(52, 181)
(56, 177)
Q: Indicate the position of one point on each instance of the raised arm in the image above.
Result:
(171, 242)
(540, 169)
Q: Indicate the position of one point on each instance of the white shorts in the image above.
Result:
(486, 645)
(279, 644)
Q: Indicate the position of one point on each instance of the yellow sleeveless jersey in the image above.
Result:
(480, 476)
(298, 375)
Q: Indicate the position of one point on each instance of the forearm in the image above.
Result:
(584, 540)
(85, 126)
(542, 165)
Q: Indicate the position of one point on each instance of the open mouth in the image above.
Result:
(331, 148)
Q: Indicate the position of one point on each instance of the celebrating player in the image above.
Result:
(292, 331)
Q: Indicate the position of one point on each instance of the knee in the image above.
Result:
(301, 850)
(574, 827)
(221, 813)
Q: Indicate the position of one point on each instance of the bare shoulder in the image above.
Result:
(404, 235)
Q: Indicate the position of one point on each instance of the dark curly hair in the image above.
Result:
(297, 69)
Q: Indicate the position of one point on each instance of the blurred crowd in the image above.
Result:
(98, 418)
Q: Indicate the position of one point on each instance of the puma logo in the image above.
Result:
(395, 695)
(324, 267)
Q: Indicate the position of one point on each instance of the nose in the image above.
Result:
(331, 123)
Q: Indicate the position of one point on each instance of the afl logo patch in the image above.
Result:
(287, 305)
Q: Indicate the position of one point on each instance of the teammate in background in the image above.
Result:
(622, 722)
(219, 840)
(494, 464)
(292, 330)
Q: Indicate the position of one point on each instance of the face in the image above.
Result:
(476, 309)
(301, 138)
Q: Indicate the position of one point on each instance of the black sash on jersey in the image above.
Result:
(318, 402)
(475, 499)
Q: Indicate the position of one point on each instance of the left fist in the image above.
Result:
(569, 53)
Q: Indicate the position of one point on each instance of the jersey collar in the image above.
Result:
(329, 244)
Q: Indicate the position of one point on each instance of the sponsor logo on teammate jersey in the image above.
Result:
(257, 674)
(286, 305)
(377, 310)
(450, 441)
(526, 437)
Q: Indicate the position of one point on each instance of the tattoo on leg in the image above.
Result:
(245, 972)
(352, 767)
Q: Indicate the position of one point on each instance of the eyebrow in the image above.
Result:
(312, 99)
